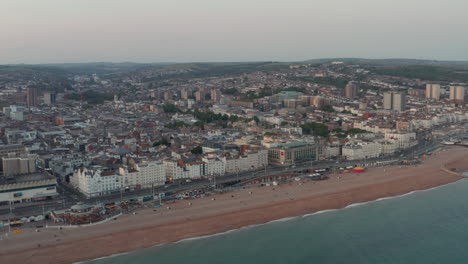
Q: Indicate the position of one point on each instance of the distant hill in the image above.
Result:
(432, 70)
(389, 62)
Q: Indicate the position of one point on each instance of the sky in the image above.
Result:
(60, 31)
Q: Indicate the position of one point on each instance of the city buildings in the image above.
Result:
(22, 164)
(199, 96)
(351, 90)
(184, 93)
(27, 188)
(399, 102)
(388, 100)
(145, 174)
(145, 128)
(168, 95)
(245, 162)
(32, 94)
(394, 101)
(95, 180)
(292, 152)
(433, 91)
(457, 94)
(215, 95)
(15, 112)
(50, 98)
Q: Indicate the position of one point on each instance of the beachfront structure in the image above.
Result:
(359, 150)
(95, 180)
(291, 152)
(404, 140)
(27, 187)
(332, 149)
(180, 169)
(145, 174)
(214, 165)
(388, 147)
(249, 161)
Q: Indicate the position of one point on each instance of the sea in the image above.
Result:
(429, 226)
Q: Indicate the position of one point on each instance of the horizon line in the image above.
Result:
(240, 61)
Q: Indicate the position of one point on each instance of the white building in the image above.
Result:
(174, 171)
(178, 169)
(195, 170)
(404, 140)
(250, 161)
(146, 174)
(357, 150)
(389, 147)
(332, 150)
(95, 181)
(214, 166)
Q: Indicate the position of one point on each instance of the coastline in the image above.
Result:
(229, 213)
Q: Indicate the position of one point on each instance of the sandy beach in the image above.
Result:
(255, 205)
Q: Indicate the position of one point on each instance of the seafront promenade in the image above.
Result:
(231, 210)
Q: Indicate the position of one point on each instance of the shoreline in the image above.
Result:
(270, 222)
(232, 211)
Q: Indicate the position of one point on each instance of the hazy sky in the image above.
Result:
(51, 31)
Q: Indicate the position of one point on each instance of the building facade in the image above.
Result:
(290, 153)
(433, 91)
(95, 181)
(145, 174)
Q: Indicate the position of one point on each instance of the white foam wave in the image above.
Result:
(282, 219)
(105, 257)
(357, 204)
(320, 212)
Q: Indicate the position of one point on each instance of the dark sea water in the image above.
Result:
(422, 227)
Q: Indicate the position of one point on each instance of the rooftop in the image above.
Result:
(26, 180)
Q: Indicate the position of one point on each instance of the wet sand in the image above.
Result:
(228, 211)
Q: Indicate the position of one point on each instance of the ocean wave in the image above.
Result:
(319, 212)
(105, 257)
(396, 196)
(356, 204)
(283, 219)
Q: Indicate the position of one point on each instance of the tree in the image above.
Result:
(197, 150)
(353, 131)
(162, 142)
(231, 91)
(316, 129)
(328, 108)
(256, 119)
(170, 108)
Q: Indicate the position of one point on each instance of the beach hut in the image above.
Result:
(359, 169)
